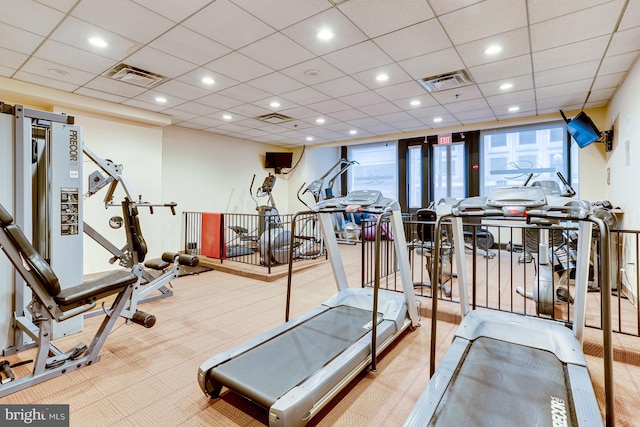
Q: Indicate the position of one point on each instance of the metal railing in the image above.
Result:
(258, 240)
(504, 264)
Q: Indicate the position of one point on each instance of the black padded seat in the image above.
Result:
(94, 289)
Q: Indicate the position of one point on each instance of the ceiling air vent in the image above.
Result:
(452, 80)
(274, 118)
(128, 74)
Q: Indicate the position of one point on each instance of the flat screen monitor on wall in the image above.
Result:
(582, 129)
(278, 161)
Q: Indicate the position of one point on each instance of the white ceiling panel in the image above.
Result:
(123, 17)
(18, 40)
(228, 24)
(377, 17)
(498, 16)
(258, 52)
(345, 33)
(190, 46)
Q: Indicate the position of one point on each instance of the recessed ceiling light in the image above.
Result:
(275, 104)
(382, 77)
(437, 119)
(324, 34)
(161, 99)
(505, 86)
(58, 72)
(208, 80)
(353, 132)
(415, 103)
(98, 42)
(227, 116)
(312, 73)
(492, 50)
(514, 109)
(309, 138)
(320, 120)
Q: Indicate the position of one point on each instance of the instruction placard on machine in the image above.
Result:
(69, 214)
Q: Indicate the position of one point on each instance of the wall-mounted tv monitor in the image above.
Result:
(278, 161)
(582, 129)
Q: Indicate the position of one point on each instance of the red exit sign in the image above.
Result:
(444, 139)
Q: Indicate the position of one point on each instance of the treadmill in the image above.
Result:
(295, 369)
(507, 369)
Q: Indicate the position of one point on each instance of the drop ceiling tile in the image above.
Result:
(428, 113)
(189, 46)
(580, 25)
(514, 43)
(276, 83)
(30, 16)
(395, 117)
(174, 10)
(61, 5)
(197, 108)
(100, 95)
(44, 81)
(206, 121)
(238, 67)
(277, 52)
(511, 98)
(519, 83)
(425, 100)
(263, 105)
(461, 94)
(498, 16)
(362, 98)
(283, 13)
(228, 24)
(305, 96)
(75, 32)
(510, 116)
(473, 104)
(584, 70)
(12, 60)
(43, 68)
(345, 32)
(115, 87)
(72, 57)
(432, 64)
(625, 41)
(149, 106)
(601, 95)
(544, 10)
(300, 112)
(313, 72)
(576, 87)
(329, 106)
(570, 54)
(631, 16)
(474, 116)
(340, 87)
(244, 93)
(377, 17)
(409, 124)
(379, 109)
(123, 17)
(365, 122)
(192, 125)
(445, 6)
(348, 115)
(158, 62)
(18, 40)
(359, 57)
(604, 81)
(501, 70)
(402, 91)
(178, 115)
(618, 63)
(150, 97)
(195, 77)
(419, 39)
(219, 102)
(182, 90)
(396, 75)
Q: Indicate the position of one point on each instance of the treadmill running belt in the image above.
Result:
(505, 384)
(269, 370)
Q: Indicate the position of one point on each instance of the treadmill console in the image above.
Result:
(361, 198)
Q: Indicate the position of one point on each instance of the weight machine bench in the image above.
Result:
(52, 303)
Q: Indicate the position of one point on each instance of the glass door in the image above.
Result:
(448, 171)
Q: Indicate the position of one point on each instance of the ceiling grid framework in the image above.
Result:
(226, 63)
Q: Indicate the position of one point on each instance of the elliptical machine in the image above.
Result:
(273, 243)
(543, 289)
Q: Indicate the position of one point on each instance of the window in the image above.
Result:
(377, 168)
(508, 156)
(414, 173)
